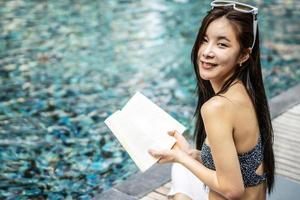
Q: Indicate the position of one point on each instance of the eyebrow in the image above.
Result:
(220, 38)
(223, 38)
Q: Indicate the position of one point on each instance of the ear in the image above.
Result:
(244, 56)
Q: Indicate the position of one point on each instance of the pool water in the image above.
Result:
(67, 65)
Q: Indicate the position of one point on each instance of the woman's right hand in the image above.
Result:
(182, 143)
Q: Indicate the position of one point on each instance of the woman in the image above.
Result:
(233, 126)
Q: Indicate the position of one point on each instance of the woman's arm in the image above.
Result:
(227, 179)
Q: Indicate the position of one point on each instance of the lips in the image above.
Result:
(208, 65)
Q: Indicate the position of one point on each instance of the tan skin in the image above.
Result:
(230, 121)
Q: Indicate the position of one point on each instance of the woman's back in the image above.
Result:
(245, 133)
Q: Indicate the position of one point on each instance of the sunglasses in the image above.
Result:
(241, 7)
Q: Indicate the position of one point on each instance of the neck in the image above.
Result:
(217, 85)
(219, 82)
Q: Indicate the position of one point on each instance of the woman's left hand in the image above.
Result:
(166, 156)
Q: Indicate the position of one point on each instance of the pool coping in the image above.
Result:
(138, 185)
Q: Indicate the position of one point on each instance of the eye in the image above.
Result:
(204, 40)
(222, 45)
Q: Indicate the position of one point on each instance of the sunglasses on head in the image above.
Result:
(241, 7)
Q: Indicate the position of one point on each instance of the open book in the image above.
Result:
(142, 125)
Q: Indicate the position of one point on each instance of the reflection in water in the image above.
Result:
(65, 66)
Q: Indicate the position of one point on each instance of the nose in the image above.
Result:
(208, 52)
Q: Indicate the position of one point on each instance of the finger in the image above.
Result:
(172, 133)
(152, 152)
(155, 153)
(163, 160)
(162, 153)
(179, 137)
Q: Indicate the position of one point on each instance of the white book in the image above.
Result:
(142, 125)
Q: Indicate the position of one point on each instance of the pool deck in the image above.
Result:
(155, 183)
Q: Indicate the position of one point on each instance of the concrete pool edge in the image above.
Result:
(284, 100)
(140, 184)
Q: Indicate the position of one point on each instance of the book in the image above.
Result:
(142, 125)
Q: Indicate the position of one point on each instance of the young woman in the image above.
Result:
(233, 126)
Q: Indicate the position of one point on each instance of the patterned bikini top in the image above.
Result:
(249, 162)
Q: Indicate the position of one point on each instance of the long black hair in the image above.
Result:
(250, 74)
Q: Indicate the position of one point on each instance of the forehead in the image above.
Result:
(221, 27)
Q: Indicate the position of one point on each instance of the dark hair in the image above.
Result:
(250, 75)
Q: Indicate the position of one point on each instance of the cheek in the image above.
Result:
(199, 54)
(227, 61)
(228, 58)
(200, 49)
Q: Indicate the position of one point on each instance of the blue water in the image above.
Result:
(67, 65)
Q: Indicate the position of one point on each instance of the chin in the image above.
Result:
(207, 78)
(205, 75)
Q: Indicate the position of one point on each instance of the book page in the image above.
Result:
(134, 141)
(142, 125)
(152, 119)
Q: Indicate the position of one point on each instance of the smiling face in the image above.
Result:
(218, 55)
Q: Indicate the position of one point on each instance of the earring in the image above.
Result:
(240, 64)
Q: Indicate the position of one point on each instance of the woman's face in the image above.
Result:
(219, 51)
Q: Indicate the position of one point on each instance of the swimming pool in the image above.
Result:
(67, 65)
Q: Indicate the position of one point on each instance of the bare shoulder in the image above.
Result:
(217, 106)
(218, 119)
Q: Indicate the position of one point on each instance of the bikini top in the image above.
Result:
(249, 162)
